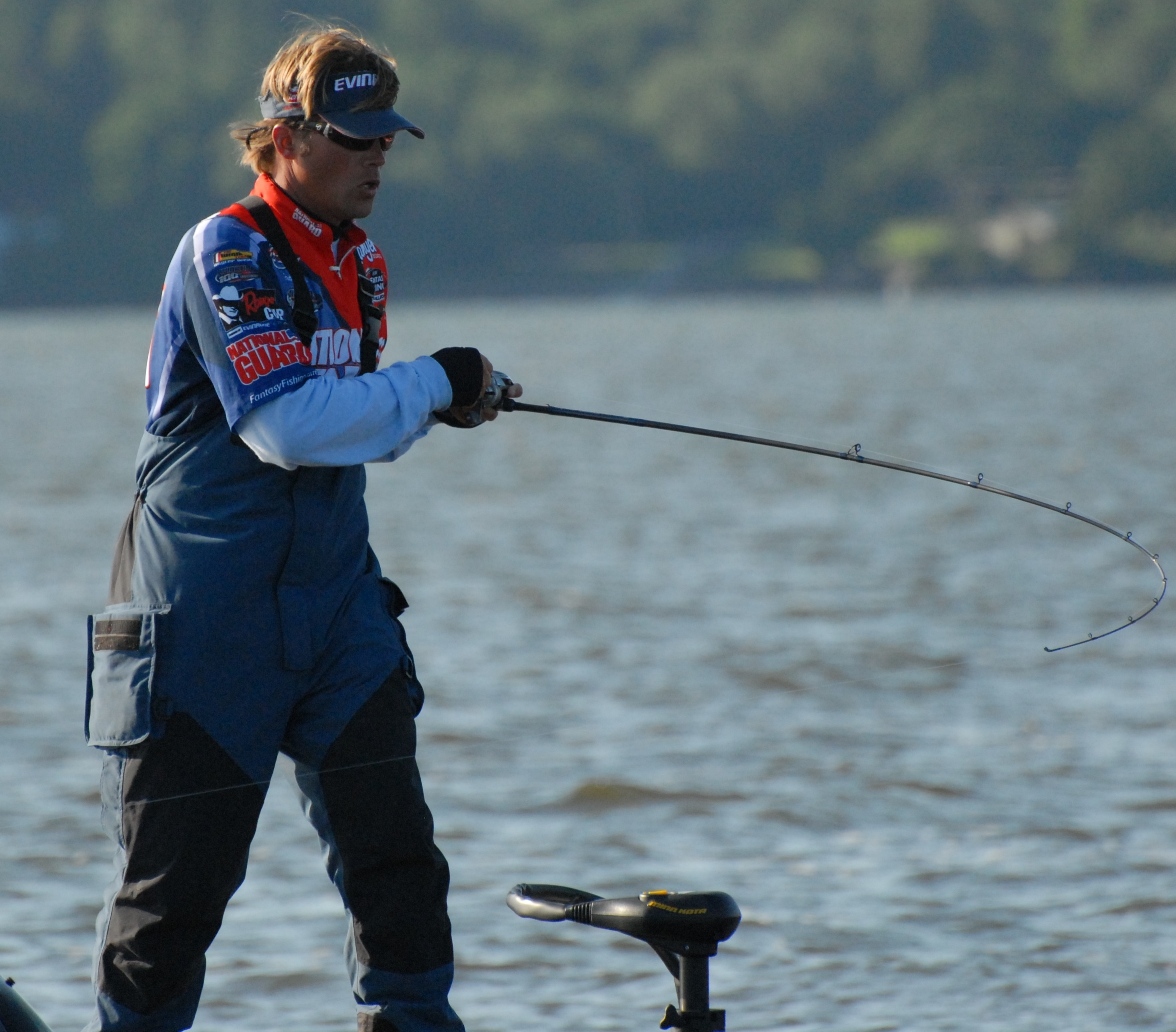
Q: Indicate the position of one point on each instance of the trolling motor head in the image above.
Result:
(15, 1014)
(684, 929)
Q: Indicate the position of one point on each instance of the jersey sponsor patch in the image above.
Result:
(260, 354)
(315, 227)
(235, 332)
(232, 255)
(237, 274)
(379, 285)
(318, 301)
(236, 306)
(366, 249)
(330, 348)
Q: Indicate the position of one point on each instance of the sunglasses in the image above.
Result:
(351, 143)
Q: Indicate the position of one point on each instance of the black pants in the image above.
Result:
(183, 813)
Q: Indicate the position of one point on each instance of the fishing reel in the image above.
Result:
(495, 396)
(684, 929)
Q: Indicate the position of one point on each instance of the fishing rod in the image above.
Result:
(496, 397)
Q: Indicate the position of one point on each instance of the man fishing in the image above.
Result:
(248, 615)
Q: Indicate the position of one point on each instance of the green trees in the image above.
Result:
(670, 143)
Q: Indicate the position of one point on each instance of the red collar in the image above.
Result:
(312, 240)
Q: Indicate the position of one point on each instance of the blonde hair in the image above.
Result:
(298, 70)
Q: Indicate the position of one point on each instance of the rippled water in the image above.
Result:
(655, 660)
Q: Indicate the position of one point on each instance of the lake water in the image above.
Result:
(660, 661)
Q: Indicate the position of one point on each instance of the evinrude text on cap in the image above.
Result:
(338, 97)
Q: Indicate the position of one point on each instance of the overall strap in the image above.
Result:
(305, 320)
(373, 317)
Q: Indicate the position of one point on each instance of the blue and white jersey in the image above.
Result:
(249, 529)
(225, 344)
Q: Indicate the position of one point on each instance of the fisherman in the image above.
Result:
(248, 615)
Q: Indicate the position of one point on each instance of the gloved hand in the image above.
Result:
(470, 374)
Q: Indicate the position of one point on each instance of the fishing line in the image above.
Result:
(854, 454)
(874, 678)
(263, 783)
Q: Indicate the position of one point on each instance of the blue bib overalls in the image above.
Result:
(248, 616)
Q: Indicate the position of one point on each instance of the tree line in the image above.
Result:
(635, 144)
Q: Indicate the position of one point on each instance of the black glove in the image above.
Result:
(464, 368)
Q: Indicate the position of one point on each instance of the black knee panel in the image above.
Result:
(188, 815)
(394, 876)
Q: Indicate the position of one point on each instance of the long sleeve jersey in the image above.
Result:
(225, 345)
(249, 530)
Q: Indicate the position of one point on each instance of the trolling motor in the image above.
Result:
(684, 929)
(15, 1014)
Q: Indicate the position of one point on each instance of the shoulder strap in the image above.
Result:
(373, 317)
(305, 321)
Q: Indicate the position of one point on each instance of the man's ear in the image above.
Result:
(284, 142)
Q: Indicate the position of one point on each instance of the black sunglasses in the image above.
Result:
(351, 143)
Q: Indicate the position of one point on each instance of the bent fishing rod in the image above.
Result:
(496, 397)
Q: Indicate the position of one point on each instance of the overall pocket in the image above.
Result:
(396, 604)
(394, 600)
(120, 673)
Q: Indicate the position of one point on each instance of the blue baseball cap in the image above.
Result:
(339, 95)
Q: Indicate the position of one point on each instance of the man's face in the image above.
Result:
(333, 182)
